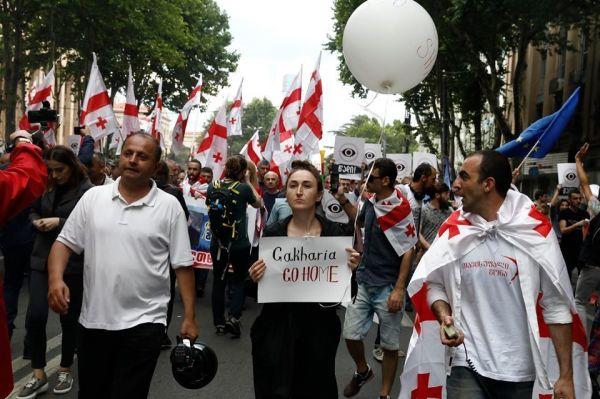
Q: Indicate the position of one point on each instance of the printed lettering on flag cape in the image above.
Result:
(97, 114)
(372, 152)
(310, 124)
(424, 157)
(180, 127)
(349, 153)
(531, 235)
(567, 175)
(403, 164)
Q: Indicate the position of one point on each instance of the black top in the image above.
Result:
(574, 239)
(590, 251)
(175, 192)
(56, 203)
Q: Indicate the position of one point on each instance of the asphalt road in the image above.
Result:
(234, 377)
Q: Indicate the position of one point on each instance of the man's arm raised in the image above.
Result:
(58, 292)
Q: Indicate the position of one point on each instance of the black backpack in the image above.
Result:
(220, 202)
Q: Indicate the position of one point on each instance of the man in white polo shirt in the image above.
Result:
(131, 232)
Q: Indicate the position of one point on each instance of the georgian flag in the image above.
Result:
(131, 122)
(531, 235)
(396, 221)
(38, 94)
(182, 119)
(310, 124)
(97, 113)
(234, 122)
(212, 151)
(251, 150)
(281, 135)
(156, 116)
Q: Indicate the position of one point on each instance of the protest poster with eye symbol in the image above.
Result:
(372, 152)
(333, 210)
(403, 164)
(567, 175)
(349, 154)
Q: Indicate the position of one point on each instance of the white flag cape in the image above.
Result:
(396, 221)
(535, 245)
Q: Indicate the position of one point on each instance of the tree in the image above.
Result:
(363, 126)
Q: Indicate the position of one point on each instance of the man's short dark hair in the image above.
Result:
(423, 170)
(538, 194)
(206, 169)
(440, 188)
(194, 160)
(264, 162)
(495, 165)
(575, 191)
(99, 157)
(141, 133)
(387, 168)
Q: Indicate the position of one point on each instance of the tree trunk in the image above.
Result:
(477, 135)
(520, 68)
(426, 139)
(461, 146)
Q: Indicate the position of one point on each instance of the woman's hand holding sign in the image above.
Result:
(257, 270)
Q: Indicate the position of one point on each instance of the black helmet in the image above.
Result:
(194, 365)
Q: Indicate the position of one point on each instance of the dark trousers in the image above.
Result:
(16, 265)
(172, 280)
(118, 364)
(37, 317)
(463, 384)
(240, 260)
(201, 276)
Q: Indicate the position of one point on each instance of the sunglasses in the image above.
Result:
(371, 178)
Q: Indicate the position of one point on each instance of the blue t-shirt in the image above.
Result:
(380, 263)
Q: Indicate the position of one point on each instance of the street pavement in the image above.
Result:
(234, 377)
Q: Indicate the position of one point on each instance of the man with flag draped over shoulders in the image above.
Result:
(495, 311)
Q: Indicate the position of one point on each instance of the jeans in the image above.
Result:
(118, 364)
(240, 261)
(589, 280)
(16, 264)
(37, 317)
(359, 316)
(463, 384)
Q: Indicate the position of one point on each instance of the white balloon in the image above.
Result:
(390, 46)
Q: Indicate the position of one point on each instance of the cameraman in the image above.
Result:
(20, 184)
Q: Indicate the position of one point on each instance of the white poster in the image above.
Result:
(349, 153)
(305, 269)
(74, 142)
(333, 210)
(424, 157)
(567, 175)
(372, 152)
(403, 164)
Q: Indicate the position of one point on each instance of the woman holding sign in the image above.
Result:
(294, 344)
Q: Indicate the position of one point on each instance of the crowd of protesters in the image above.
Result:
(91, 205)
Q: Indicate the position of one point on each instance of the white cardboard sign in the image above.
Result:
(372, 152)
(305, 269)
(567, 175)
(424, 157)
(403, 164)
(349, 153)
(333, 210)
(74, 143)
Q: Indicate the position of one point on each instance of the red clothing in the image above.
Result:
(20, 184)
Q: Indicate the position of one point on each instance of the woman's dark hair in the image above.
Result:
(162, 173)
(65, 155)
(495, 165)
(235, 166)
(309, 167)
(387, 168)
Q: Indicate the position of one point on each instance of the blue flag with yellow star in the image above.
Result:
(547, 130)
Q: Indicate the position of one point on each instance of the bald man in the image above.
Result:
(270, 189)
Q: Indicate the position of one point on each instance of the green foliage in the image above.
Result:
(397, 139)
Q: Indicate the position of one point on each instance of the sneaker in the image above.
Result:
(64, 383)
(378, 354)
(233, 327)
(165, 342)
(384, 396)
(357, 381)
(34, 387)
(220, 330)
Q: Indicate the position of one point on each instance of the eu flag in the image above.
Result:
(547, 130)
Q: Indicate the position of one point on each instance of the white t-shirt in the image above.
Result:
(493, 315)
(107, 180)
(128, 251)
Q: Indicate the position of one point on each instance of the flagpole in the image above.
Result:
(530, 151)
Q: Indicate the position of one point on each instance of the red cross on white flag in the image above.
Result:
(251, 150)
(212, 151)
(38, 93)
(156, 129)
(310, 124)
(97, 113)
(131, 122)
(234, 121)
(286, 119)
(182, 119)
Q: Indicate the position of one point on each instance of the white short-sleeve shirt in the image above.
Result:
(128, 251)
